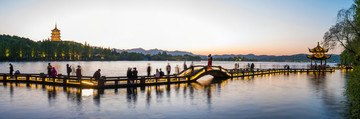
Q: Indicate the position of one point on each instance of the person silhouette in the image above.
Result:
(148, 70)
(168, 69)
(11, 69)
(49, 68)
(209, 60)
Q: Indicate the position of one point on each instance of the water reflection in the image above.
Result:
(327, 91)
(207, 89)
(131, 96)
(243, 96)
(148, 97)
(87, 92)
(51, 91)
(11, 91)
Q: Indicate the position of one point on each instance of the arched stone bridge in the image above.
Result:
(197, 72)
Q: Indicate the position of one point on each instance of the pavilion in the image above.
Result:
(318, 53)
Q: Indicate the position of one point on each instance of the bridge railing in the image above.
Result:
(61, 79)
(247, 72)
(190, 70)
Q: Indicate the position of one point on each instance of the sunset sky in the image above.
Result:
(261, 27)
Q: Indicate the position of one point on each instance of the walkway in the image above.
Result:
(189, 75)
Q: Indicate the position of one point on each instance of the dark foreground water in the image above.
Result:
(294, 95)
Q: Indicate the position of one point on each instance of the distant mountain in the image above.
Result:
(290, 58)
(283, 58)
(155, 51)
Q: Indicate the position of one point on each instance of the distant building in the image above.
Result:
(55, 34)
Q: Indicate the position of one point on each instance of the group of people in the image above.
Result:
(251, 66)
(185, 66)
(131, 72)
(159, 72)
(286, 67)
(53, 73)
(237, 66)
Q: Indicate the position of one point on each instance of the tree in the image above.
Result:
(346, 32)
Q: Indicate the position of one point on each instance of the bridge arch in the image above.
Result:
(197, 72)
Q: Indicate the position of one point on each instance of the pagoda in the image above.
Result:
(318, 53)
(55, 34)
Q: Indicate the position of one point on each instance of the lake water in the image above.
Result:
(293, 95)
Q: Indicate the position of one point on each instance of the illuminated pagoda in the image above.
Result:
(318, 53)
(55, 34)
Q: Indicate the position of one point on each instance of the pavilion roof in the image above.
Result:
(318, 56)
(318, 48)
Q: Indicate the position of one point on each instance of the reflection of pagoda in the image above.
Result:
(318, 53)
(55, 34)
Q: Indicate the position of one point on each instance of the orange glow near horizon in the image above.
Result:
(245, 51)
(259, 51)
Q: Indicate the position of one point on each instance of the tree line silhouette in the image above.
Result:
(15, 48)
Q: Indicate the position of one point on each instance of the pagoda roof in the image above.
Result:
(318, 48)
(318, 56)
(55, 29)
